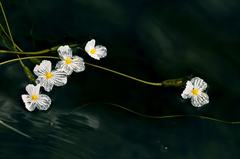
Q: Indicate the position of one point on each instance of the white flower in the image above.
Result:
(48, 78)
(95, 52)
(195, 90)
(34, 99)
(69, 63)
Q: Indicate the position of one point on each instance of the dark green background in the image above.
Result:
(152, 40)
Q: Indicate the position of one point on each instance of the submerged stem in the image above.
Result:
(175, 116)
(14, 129)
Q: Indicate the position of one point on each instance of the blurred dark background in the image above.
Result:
(151, 40)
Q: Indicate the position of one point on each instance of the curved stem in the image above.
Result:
(124, 75)
(96, 66)
(26, 58)
(175, 116)
(3, 30)
(34, 52)
(15, 46)
(159, 117)
(8, 28)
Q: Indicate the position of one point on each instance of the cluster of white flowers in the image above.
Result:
(48, 77)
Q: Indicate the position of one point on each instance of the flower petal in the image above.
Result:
(60, 65)
(101, 51)
(28, 102)
(64, 51)
(44, 102)
(68, 69)
(47, 84)
(45, 66)
(199, 83)
(77, 64)
(90, 45)
(95, 56)
(30, 89)
(59, 78)
(187, 91)
(200, 100)
(63, 67)
(37, 89)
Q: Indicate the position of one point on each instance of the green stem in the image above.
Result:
(159, 117)
(8, 28)
(175, 116)
(2, 28)
(124, 75)
(174, 82)
(34, 52)
(27, 58)
(15, 47)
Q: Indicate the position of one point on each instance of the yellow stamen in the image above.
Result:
(49, 75)
(93, 51)
(35, 97)
(195, 91)
(68, 60)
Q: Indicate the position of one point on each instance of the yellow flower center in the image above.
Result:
(49, 75)
(68, 60)
(93, 51)
(35, 97)
(195, 91)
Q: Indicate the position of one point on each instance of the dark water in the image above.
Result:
(152, 40)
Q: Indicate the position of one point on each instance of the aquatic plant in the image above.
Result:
(47, 77)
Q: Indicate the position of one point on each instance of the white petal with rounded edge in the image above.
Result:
(44, 102)
(64, 51)
(187, 91)
(45, 66)
(60, 65)
(28, 102)
(31, 89)
(200, 100)
(47, 84)
(90, 45)
(199, 83)
(59, 78)
(77, 64)
(101, 51)
(67, 69)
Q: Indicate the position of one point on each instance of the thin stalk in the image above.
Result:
(2, 28)
(14, 129)
(15, 47)
(124, 75)
(6, 21)
(34, 52)
(93, 65)
(176, 116)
